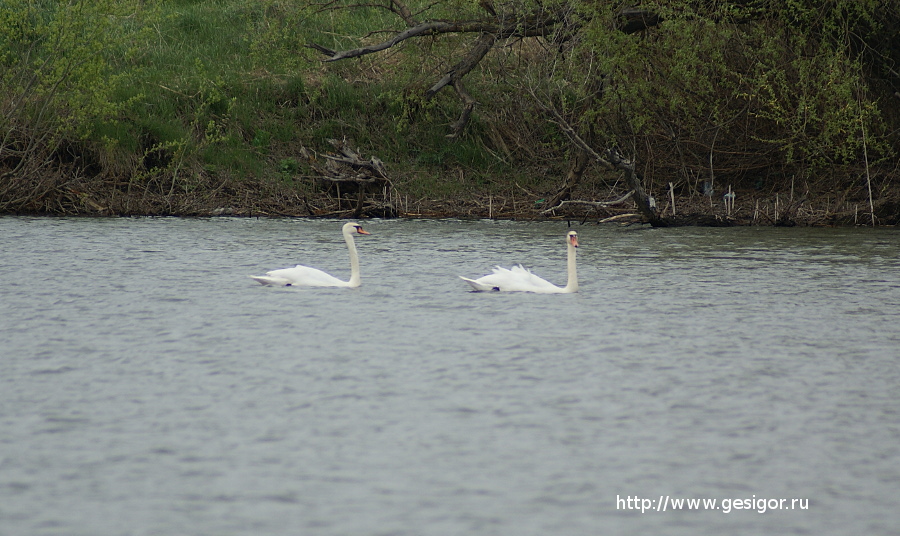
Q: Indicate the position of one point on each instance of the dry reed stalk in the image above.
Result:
(868, 175)
(672, 196)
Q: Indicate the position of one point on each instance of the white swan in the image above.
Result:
(520, 279)
(310, 277)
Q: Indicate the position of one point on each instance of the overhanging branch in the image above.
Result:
(427, 28)
(539, 22)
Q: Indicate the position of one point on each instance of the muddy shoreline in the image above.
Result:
(265, 199)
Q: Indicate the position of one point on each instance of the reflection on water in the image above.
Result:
(147, 386)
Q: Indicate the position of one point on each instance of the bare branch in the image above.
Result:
(468, 106)
(454, 78)
(427, 28)
(595, 204)
(525, 26)
(403, 12)
(482, 46)
(570, 133)
(611, 158)
(538, 23)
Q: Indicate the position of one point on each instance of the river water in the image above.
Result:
(149, 387)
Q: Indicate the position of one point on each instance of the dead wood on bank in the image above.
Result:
(594, 204)
(357, 185)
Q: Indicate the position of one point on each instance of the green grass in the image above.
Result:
(229, 87)
(241, 67)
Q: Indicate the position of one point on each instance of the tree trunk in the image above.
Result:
(641, 199)
(582, 159)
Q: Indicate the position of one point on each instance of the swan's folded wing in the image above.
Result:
(300, 276)
(267, 280)
(477, 285)
(522, 279)
(515, 279)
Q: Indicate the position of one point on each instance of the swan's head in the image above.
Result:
(353, 227)
(572, 239)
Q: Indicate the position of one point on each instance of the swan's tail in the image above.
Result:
(476, 285)
(269, 280)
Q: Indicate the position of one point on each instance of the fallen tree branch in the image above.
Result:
(346, 173)
(595, 204)
(611, 158)
(619, 217)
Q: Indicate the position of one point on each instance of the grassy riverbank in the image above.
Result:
(218, 107)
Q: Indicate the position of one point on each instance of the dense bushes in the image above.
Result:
(167, 107)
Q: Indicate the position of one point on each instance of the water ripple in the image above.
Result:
(178, 397)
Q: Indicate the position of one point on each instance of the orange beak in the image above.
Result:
(574, 241)
(360, 230)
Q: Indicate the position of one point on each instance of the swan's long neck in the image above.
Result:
(354, 261)
(572, 283)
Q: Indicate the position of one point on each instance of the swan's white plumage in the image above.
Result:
(300, 275)
(312, 277)
(520, 279)
(517, 278)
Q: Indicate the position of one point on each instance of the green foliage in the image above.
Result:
(55, 60)
(809, 85)
(721, 83)
(190, 88)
